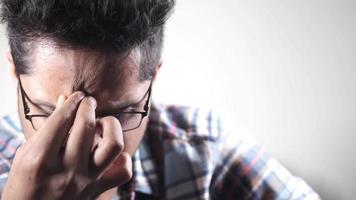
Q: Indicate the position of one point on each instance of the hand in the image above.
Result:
(66, 160)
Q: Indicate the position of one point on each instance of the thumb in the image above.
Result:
(117, 174)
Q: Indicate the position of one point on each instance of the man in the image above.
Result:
(85, 72)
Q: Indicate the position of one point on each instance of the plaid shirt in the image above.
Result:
(188, 154)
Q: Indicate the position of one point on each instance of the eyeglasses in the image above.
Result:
(129, 120)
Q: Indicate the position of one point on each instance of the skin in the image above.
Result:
(96, 156)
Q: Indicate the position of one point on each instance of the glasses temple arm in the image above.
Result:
(23, 96)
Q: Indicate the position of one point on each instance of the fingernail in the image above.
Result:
(92, 101)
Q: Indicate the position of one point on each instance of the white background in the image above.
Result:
(285, 70)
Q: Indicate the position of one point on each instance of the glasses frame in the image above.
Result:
(29, 117)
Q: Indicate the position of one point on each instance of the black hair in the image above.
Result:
(111, 26)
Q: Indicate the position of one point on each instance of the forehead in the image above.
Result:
(59, 70)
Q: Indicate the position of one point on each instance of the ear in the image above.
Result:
(158, 67)
(12, 65)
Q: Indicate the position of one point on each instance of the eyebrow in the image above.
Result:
(48, 107)
(121, 106)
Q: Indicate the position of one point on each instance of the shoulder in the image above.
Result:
(10, 125)
(11, 137)
(184, 122)
(219, 150)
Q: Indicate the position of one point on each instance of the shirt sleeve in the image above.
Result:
(4, 172)
(10, 140)
(244, 170)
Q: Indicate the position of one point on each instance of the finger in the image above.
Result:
(56, 128)
(119, 172)
(60, 101)
(110, 146)
(80, 140)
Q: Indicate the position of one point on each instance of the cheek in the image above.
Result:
(28, 132)
(133, 138)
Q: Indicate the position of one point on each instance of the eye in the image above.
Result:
(41, 110)
(133, 108)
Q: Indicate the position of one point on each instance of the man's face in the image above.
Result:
(112, 81)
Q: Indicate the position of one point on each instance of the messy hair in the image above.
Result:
(109, 26)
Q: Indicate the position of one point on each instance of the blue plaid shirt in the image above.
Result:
(188, 153)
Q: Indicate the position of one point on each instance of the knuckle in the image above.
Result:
(115, 146)
(61, 183)
(85, 118)
(62, 116)
(113, 128)
(65, 112)
(33, 164)
(66, 116)
(90, 101)
(71, 104)
(31, 161)
(89, 124)
(127, 167)
(85, 121)
(85, 125)
(126, 174)
(111, 121)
